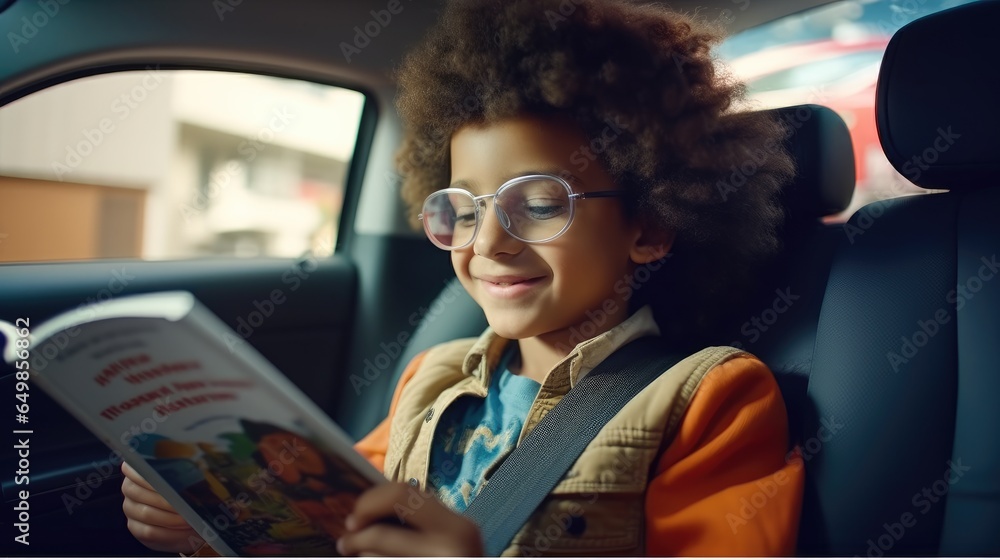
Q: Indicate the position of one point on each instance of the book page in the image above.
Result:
(262, 469)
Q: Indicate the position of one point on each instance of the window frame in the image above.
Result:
(356, 166)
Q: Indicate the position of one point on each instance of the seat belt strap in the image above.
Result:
(539, 462)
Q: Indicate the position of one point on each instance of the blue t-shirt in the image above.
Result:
(474, 433)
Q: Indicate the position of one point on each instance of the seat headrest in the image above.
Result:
(821, 145)
(936, 100)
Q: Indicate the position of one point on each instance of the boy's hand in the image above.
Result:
(151, 520)
(428, 527)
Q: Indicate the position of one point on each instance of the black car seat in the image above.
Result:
(778, 321)
(904, 360)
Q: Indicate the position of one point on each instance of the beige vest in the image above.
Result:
(598, 506)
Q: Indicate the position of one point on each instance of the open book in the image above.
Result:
(244, 456)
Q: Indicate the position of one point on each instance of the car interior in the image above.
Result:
(881, 355)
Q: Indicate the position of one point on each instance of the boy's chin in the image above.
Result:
(512, 325)
(510, 332)
(519, 326)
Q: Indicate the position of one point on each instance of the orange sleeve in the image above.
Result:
(727, 485)
(374, 445)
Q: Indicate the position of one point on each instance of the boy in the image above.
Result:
(559, 156)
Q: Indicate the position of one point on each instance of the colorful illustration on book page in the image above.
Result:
(266, 490)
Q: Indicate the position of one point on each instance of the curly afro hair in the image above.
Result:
(648, 71)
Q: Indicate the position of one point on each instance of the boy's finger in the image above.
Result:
(395, 502)
(381, 539)
(145, 496)
(153, 516)
(135, 477)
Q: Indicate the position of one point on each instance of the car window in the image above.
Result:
(830, 56)
(826, 70)
(168, 164)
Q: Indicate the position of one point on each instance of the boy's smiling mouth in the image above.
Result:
(508, 286)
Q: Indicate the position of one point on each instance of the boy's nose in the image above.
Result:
(493, 239)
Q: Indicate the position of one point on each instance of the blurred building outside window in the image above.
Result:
(160, 164)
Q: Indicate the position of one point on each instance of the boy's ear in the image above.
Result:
(652, 246)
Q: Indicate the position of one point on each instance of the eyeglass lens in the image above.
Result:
(531, 210)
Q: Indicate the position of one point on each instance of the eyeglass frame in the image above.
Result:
(480, 202)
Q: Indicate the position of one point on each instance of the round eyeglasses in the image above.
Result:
(532, 208)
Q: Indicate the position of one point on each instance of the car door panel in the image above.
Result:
(297, 313)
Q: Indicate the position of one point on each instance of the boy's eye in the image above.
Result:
(465, 217)
(544, 209)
